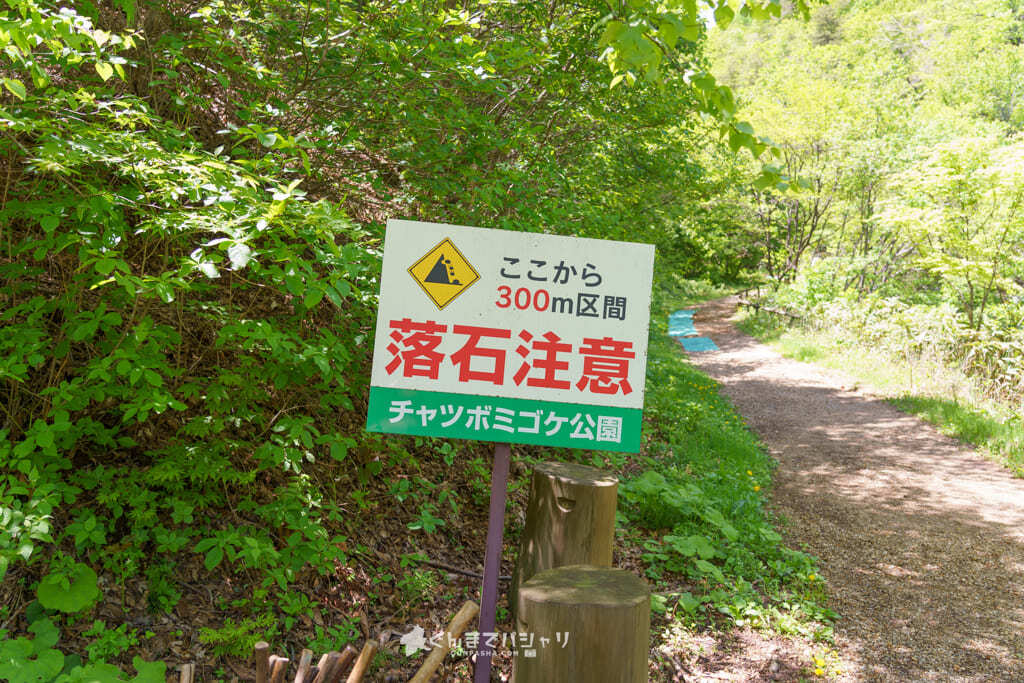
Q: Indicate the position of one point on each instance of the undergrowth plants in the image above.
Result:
(180, 350)
(35, 657)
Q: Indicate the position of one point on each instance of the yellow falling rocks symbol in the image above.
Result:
(443, 273)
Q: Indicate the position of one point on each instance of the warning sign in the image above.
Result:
(521, 337)
(443, 273)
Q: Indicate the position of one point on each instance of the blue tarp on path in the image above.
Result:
(680, 324)
(698, 344)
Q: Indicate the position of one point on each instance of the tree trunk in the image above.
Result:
(570, 519)
(596, 620)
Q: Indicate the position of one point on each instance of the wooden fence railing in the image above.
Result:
(333, 666)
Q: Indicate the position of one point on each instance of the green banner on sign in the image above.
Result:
(495, 418)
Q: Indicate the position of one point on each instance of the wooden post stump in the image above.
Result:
(570, 519)
(597, 620)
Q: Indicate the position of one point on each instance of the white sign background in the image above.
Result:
(626, 270)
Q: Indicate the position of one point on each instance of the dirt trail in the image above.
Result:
(920, 539)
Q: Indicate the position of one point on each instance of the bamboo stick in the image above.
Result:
(363, 663)
(347, 656)
(278, 667)
(458, 624)
(329, 664)
(305, 663)
(261, 656)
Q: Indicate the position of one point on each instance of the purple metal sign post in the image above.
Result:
(492, 560)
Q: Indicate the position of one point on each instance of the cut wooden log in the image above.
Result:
(305, 663)
(278, 667)
(188, 672)
(348, 655)
(570, 519)
(458, 624)
(261, 658)
(363, 663)
(596, 620)
(326, 667)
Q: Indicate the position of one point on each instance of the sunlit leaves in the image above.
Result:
(962, 209)
(104, 70)
(724, 15)
(239, 255)
(16, 87)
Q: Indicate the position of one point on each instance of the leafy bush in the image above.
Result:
(36, 658)
(176, 323)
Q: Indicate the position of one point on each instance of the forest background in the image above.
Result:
(192, 212)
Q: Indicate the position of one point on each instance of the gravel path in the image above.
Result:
(921, 540)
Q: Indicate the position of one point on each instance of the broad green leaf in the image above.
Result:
(81, 590)
(84, 330)
(724, 15)
(294, 284)
(105, 70)
(44, 438)
(611, 32)
(709, 569)
(148, 672)
(213, 558)
(16, 87)
(47, 634)
(312, 298)
(669, 33)
(735, 141)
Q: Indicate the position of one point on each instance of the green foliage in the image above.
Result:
(162, 593)
(70, 589)
(336, 637)
(893, 157)
(960, 209)
(36, 659)
(427, 521)
(417, 586)
(109, 642)
(238, 638)
(32, 659)
(157, 350)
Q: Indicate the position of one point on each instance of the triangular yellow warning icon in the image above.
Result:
(443, 273)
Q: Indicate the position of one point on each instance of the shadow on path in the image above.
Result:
(920, 539)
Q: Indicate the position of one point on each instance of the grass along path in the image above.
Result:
(918, 385)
